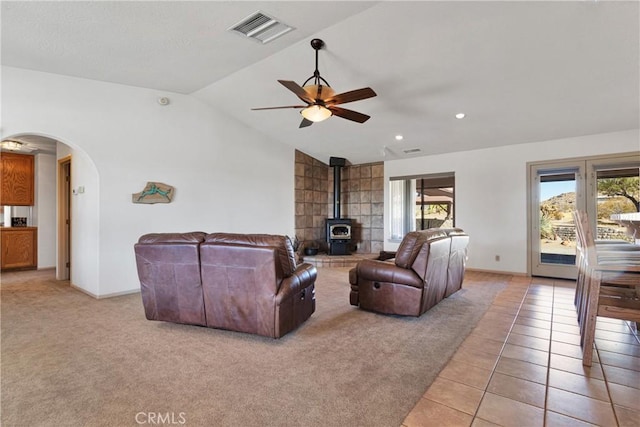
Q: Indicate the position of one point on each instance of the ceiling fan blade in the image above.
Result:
(277, 108)
(297, 89)
(351, 96)
(349, 114)
(304, 123)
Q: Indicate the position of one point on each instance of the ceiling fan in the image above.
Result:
(321, 101)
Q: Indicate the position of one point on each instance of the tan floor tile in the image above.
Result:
(509, 412)
(429, 413)
(553, 419)
(526, 354)
(466, 374)
(564, 337)
(454, 395)
(622, 376)
(536, 323)
(578, 384)
(569, 350)
(539, 299)
(481, 343)
(528, 341)
(620, 337)
(568, 320)
(479, 422)
(576, 395)
(626, 417)
(535, 315)
(618, 347)
(571, 364)
(520, 369)
(565, 312)
(619, 360)
(538, 307)
(581, 407)
(517, 389)
(603, 325)
(567, 329)
(475, 358)
(532, 331)
(564, 304)
(625, 396)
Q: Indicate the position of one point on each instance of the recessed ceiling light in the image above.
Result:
(460, 116)
(399, 137)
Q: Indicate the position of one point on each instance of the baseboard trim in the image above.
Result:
(112, 295)
(509, 273)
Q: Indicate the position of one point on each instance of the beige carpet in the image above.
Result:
(71, 360)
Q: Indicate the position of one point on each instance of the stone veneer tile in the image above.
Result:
(377, 196)
(377, 183)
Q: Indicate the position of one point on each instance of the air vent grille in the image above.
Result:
(261, 27)
(411, 151)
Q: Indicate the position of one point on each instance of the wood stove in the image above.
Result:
(339, 234)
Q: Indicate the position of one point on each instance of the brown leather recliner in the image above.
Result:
(241, 282)
(427, 268)
(457, 259)
(251, 284)
(169, 272)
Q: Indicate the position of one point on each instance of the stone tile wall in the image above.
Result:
(311, 189)
(362, 200)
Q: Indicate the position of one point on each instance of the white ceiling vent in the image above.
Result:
(261, 27)
(411, 151)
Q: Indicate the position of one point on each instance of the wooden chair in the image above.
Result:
(608, 284)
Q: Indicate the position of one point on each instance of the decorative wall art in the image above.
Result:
(154, 192)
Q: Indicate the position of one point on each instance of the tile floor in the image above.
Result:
(522, 366)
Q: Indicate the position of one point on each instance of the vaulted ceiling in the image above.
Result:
(521, 71)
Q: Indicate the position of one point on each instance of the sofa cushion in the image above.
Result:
(192, 237)
(281, 243)
(412, 243)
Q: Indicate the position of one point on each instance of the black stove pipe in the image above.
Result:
(337, 163)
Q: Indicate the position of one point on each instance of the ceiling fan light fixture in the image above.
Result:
(316, 113)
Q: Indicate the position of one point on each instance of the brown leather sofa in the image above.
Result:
(428, 267)
(240, 282)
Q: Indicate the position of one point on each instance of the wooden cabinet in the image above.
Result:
(19, 247)
(17, 172)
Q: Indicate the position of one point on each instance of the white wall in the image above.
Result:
(227, 177)
(44, 213)
(491, 191)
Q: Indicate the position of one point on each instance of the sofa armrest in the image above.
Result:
(303, 276)
(381, 271)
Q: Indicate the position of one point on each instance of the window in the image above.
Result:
(421, 202)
